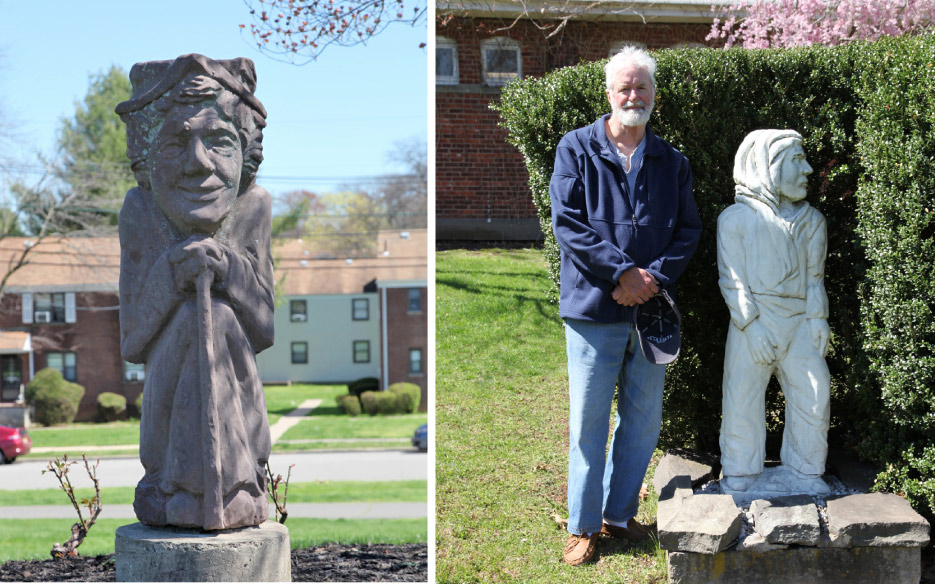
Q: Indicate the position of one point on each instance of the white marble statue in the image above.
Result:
(771, 257)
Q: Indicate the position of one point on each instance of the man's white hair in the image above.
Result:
(630, 55)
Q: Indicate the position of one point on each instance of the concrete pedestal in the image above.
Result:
(248, 554)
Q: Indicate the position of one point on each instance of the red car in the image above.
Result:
(13, 442)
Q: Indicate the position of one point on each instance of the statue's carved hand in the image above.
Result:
(761, 343)
(195, 255)
(820, 333)
(635, 286)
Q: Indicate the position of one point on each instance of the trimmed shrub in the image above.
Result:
(368, 402)
(867, 116)
(138, 407)
(387, 403)
(349, 404)
(408, 394)
(381, 402)
(111, 406)
(56, 400)
(363, 384)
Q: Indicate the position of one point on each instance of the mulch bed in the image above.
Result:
(327, 563)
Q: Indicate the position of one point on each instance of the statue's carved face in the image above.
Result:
(196, 165)
(793, 173)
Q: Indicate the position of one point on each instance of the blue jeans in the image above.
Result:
(599, 355)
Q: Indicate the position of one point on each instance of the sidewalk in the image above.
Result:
(308, 510)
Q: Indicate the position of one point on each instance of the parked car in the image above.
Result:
(420, 439)
(13, 442)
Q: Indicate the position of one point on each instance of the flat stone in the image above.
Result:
(799, 565)
(696, 467)
(704, 524)
(787, 520)
(875, 519)
(757, 544)
(247, 554)
(774, 482)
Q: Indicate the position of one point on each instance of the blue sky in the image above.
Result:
(330, 122)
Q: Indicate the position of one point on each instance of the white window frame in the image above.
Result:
(421, 362)
(444, 43)
(500, 44)
(414, 296)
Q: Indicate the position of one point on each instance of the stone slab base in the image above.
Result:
(800, 565)
(249, 554)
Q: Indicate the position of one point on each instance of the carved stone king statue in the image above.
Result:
(771, 256)
(196, 290)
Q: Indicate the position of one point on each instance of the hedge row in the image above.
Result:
(866, 113)
(399, 398)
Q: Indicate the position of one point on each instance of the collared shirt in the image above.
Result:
(632, 165)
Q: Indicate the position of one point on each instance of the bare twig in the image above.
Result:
(60, 467)
(273, 485)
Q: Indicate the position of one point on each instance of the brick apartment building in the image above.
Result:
(339, 320)
(61, 310)
(481, 189)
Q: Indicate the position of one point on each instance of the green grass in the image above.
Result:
(317, 492)
(282, 399)
(502, 425)
(22, 539)
(342, 426)
(110, 434)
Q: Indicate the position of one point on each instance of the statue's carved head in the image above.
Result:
(771, 164)
(194, 136)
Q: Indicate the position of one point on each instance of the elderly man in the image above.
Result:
(771, 258)
(625, 219)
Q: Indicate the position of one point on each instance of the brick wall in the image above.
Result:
(481, 180)
(407, 330)
(94, 338)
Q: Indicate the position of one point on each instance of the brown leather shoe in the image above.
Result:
(634, 531)
(579, 548)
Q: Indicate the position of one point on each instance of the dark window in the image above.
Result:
(66, 363)
(360, 308)
(49, 308)
(415, 361)
(297, 311)
(361, 351)
(415, 300)
(300, 352)
(446, 62)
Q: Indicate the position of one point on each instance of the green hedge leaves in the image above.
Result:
(866, 112)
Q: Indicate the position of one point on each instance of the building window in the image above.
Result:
(620, 45)
(66, 363)
(49, 308)
(415, 300)
(360, 308)
(299, 352)
(415, 362)
(501, 60)
(446, 61)
(297, 311)
(361, 351)
(134, 371)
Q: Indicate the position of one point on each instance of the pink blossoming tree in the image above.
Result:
(759, 24)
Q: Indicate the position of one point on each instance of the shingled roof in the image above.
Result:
(66, 264)
(403, 257)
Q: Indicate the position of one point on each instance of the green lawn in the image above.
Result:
(110, 434)
(501, 426)
(282, 399)
(363, 426)
(316, 492)
(22, 539)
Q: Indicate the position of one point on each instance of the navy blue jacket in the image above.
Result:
(603, 229)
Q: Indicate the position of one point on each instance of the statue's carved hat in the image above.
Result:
(152, 79)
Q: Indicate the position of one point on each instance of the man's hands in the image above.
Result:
(195, 255)
(635, 286)
(762, 345)
(820, 332)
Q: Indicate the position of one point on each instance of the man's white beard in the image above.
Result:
(633, 117)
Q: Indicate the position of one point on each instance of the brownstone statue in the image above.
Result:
(196, 290)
